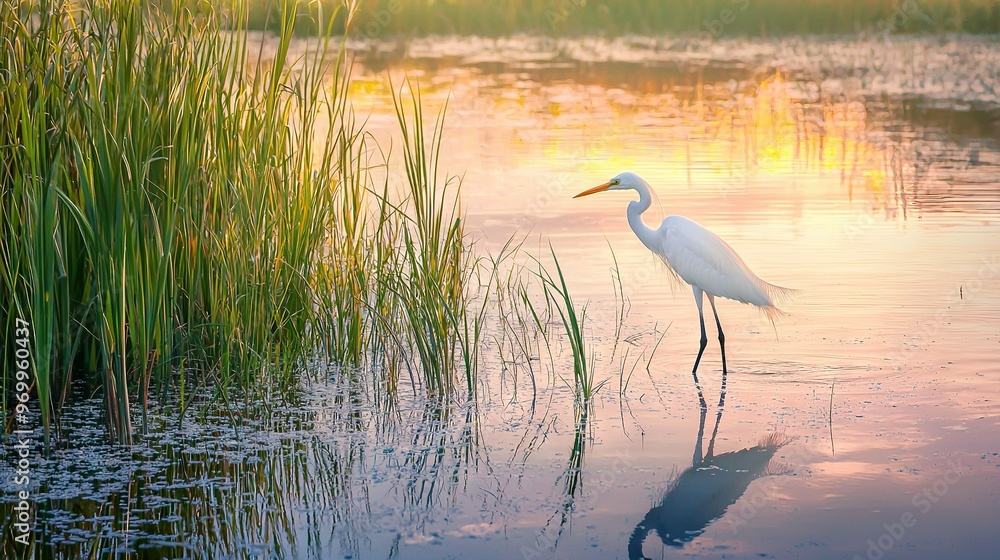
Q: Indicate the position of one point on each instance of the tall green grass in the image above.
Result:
(558, 297)
(174, 205)
(437, 271)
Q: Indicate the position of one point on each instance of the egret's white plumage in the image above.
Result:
(698, 257)
(703, 259)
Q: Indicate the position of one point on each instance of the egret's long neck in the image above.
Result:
(635, 209)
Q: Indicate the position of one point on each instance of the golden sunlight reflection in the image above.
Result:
(722, 142)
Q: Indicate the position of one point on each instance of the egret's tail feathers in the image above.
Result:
(771, 312)
(777, 294)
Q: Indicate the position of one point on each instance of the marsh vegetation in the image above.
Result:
(338, 297)
(179, 212)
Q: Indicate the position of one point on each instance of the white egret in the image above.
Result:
(699, 257)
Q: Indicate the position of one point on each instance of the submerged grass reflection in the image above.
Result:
(571, 479)
(301, 479)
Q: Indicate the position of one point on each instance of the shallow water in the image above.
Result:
(864, 423)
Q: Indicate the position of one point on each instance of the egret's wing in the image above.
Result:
(703, 259)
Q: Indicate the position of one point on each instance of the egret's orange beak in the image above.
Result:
(597, 189)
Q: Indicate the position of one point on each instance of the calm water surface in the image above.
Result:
(864, 173)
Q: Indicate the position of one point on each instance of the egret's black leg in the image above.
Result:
(722, 339)
(704, 342)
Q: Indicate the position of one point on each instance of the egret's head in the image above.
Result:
(621, 182)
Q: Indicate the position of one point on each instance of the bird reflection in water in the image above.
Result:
(702, 493)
